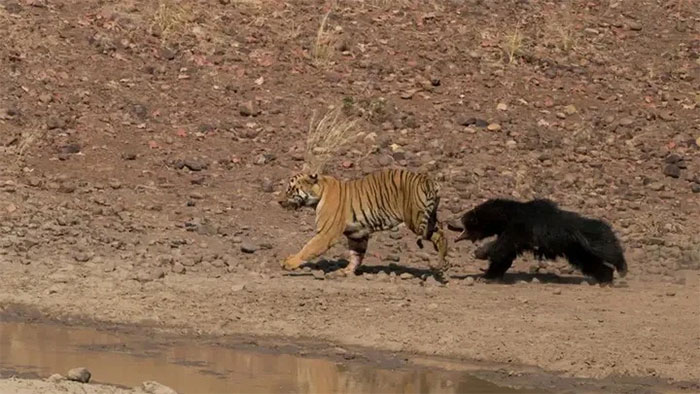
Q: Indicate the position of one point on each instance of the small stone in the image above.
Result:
(406, 275)
(670, 293)
(168, 54)
(194, 165)
(318, 274)
(115, 184)
(45, 98)
(53, 123)
(393, 257)
(158, 273)
(634, 25)
(556, 291)
(469, 281)
(248, 248)
(248, 108)
(672, 170)
(267, 186)
(570, 109)
(178, 268)
(626, 121)
(153, 387)
(493, 127)
(502, 107)
(673, 158)
(466, 120)
(82, 257)
(238, 287)
(481, 123)
(66, 187)
(69, 149)
(55, 378)
(695, 187)
(510, 144)
(656, 186)
(81, 375)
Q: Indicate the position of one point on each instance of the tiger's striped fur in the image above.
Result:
(357, 208)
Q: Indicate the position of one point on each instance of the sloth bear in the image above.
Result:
(541, 227)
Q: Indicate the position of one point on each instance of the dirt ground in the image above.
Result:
(145, 145)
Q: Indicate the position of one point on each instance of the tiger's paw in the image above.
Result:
(291, 263)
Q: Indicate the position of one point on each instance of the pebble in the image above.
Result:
(178, 268)
(469, 281)
(556, 291)
(634, 25)
(406, 275)
(238, 287)
(318, 274)
(672, 170)
(493, 127)
(153, 387)
(570, 109)
(267, 186)
(55, 378)
(695, 187)
(248, 248)
(81, 375)
(248, 108)
(656, 186)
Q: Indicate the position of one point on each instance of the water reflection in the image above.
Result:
(191, 368)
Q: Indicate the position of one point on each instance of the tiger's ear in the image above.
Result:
(313, 177)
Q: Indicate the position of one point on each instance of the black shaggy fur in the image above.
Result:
(548, 232)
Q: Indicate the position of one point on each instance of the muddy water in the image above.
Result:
(42, 350)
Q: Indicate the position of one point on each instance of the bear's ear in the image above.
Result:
(313, 178)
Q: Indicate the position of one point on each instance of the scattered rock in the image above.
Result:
(267, 186)
(178, 268)
(238, 287)
(247, 247)
(634, 25)
(55, 378)
(406, 275)
(81, 375)
(672, 170)
(469, 281)
(656, 186)
(318, 274)
(695, 187)
(570, 110)
(673, 158)
(493, 127)
(248, 108)
(556, 291)
(153, 387)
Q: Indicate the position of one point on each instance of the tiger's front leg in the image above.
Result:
(315, 247)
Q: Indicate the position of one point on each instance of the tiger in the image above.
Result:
(356, 208)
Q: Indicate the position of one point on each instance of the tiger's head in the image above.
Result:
(303, 190)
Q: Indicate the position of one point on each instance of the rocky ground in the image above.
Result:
(146, 143)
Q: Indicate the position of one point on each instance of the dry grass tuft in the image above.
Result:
(324, 47)
(560, 32)
(325, 136)
(169, 19)
(512, 45)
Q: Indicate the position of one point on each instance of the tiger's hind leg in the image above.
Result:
(357, 248)
(439, 241)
